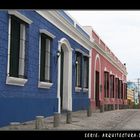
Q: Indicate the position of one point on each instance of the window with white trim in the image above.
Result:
(78, 69)
(122, 90)
(45, 55)
(111, 86)
(17, 48)
(86, 72)
(119, 89)
(116, 87)
(106, 84)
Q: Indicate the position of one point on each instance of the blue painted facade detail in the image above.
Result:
(82, 31)
(19, 103)
(66, 17)
(70, 20)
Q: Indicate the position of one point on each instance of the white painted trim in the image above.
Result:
(58, 79)
(47, 33)
(39, 48)
(109, 58)
(122, 77)
(41, 84)
(8, 60)
(20, 16)
(15, 81)
(113, 74)
(110, 72)
(67, 75)
(47, 59)
(105, 69)
(12, 80)
(22, 49)
(85, 90)
(78, 89)
(76, 22)
(70, 30)
(89, 82)
(67, 78)
(56, 19)
(97, 57)
(44, 85)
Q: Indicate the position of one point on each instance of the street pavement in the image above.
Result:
(125, 119)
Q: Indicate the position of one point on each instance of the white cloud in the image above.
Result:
(120, 30)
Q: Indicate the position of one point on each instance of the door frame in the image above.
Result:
(67, 75)
(97, 58)
(97, 95)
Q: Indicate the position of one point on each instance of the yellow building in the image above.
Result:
(130, 97)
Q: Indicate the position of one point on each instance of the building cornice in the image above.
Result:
(109, 58)
(20, 16)
(57, 20)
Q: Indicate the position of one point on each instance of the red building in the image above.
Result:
(108, 76)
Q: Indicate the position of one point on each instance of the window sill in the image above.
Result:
(44, 85)
(85, 89)
(15, 81)
(78, 89)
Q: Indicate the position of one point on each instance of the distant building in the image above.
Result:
(130, 96)
(133, 87)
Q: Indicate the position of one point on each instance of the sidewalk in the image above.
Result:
(109, 120)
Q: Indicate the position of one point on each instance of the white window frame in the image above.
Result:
(22, 49)
(78, 89)
(85, 89)
(20, 16)
(41, 84)
(16, 80)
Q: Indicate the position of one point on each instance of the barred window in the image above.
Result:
(116, 87)
(45, 55)
(119, 89)
(17, 47)
(122, 93)
(86, 71)
(106, 84)
(111, 86)
(78, 69)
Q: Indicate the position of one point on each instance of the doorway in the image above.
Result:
(61, 79)
(97, 90)
(64, 91)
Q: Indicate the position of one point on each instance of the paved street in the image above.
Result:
(128, 119)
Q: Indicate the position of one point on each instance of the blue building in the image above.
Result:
(44, 64)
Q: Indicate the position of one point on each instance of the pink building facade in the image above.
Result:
(108, 76)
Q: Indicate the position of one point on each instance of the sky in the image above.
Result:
(120, 30)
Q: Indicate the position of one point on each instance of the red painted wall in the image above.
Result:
(109, 67)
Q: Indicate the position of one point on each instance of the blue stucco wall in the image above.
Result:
(24, 103)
